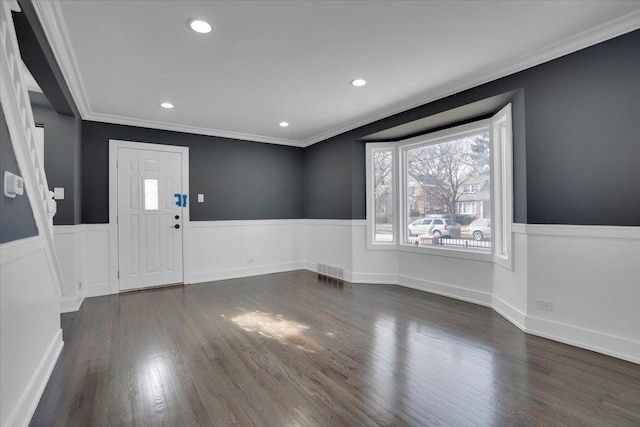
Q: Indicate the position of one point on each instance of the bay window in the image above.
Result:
(424, 193)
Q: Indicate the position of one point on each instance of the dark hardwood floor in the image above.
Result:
(287, 350)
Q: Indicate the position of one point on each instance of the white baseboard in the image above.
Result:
(610, 345)
(372, 279)
(69, 305)
(28, 403)
(447, 290)
(438, 288)
(211, 276)
(97, 290)
(595, 341)
(509, 312)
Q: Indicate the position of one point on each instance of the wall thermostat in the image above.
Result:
(13, 185)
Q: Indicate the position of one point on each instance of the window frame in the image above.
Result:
(466, 204)
(471, 186)
(502, 198)
(501, 161)
(372, 244)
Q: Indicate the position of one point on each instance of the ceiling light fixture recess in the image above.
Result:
(358, 82)
(283, 124)
(199, 26)
(166, 105)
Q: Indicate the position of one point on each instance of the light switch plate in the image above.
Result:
(58, 193)
(200, 198)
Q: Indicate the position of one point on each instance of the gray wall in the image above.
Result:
(576, 142)
(241, 180)
(59, 155)
(576, 147)
(328, 176)
(16, 216)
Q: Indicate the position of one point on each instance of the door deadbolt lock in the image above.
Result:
(177, 217)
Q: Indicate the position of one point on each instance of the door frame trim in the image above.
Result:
(114, 145)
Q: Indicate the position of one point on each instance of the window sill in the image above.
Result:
(504, 262)
(469, 254)
(448, 252)
(382, 246)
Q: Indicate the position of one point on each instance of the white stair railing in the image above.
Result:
(19, 116)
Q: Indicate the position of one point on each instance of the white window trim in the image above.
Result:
(474, 205)
(502, 198)
(502, 201)
(472, 191)
(371, 220)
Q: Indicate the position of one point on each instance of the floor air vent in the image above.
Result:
(330, 273)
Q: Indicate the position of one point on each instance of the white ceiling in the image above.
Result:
(269, 61)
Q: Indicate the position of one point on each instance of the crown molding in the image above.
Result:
(152, 124)
(55, 29)
(603, 32)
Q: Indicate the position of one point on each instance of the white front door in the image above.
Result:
(150, 222)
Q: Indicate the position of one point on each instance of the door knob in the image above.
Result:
(176, 226)
(177, 217)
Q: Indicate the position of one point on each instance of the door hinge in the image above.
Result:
(118, 273)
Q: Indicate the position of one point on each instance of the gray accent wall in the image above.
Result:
(576, 149)
(16, 216)
(576, 142)
(328, 177)
(59, 156)
(241, 180)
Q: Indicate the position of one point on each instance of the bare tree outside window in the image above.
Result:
(443, 171)
(383, 193)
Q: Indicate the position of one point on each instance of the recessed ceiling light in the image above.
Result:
(358, 82)
(166, 105)
(200, 26)
(283, 124)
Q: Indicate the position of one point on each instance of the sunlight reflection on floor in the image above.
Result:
(278, 328)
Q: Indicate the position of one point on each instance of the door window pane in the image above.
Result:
(151, 194)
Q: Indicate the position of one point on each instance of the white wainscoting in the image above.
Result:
(30, 334)
(342, 243)
(329, 242)
(67, 240)
(510, 285)
(229, 249)
(96, 263)
(591, 274)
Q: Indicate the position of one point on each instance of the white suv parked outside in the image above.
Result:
(436, 227)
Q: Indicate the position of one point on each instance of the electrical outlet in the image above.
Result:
(544, 305)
